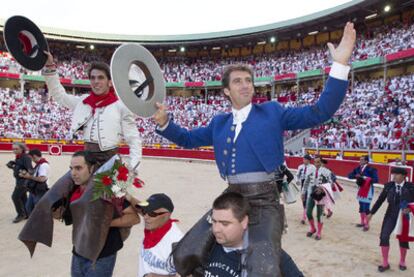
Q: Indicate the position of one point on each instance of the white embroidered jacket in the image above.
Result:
(113, 122)
(312, 180)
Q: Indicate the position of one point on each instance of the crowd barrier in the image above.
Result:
(339, 167)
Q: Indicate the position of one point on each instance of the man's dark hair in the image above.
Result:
(100, 66)
(235, 67)
(307, 157)
(35, 152)
(234, 201)
(87, 155)
(366, 158)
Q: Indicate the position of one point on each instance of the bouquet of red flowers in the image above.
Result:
(114, 183)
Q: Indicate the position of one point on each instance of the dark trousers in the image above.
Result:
(19, 197)
(388, 225)
(364, 207)
(31, 202)
(263, 256)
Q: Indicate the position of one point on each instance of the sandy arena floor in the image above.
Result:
(343, 251)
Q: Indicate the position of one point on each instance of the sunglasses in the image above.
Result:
(150, 214)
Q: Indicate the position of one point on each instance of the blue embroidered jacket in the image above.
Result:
(259, 146)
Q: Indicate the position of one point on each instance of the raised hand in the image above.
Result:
(342, 53)
(160, 116)
(49, 61)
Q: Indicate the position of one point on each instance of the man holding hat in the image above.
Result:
(396, 192)
(303, 171)
(159, 234)
(102, 117)
(104, 120)
(248, 148)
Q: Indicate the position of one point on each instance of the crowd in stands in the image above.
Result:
(375, 115)
(32, 116)
(372, 42)
(37, 116)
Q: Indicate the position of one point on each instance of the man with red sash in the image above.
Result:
(365, 176)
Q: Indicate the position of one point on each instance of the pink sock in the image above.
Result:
(320, 225)
(362, 216)
(312, 226)
(403, 254)
(385, 250)
(365, 217)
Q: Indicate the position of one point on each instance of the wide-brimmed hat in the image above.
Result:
(137, 79)
(25, 42)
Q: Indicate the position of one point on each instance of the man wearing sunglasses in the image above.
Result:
(159, 234)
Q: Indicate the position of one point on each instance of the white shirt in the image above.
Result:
(240, 116)
(398, 187)
(43, 170)
(155, 259)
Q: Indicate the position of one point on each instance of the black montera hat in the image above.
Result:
(398, 170)
(25, 42)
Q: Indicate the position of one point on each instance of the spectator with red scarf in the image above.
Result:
(159, 234)
(37, 182)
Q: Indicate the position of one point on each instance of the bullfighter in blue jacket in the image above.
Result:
(248, 148)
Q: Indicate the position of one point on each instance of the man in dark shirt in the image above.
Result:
(82, 167)
(230, 228)
(21, 165)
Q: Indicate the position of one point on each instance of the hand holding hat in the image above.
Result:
(160, 116)
(137, 79)
(25, 42)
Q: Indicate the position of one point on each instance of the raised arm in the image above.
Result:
(56, 90)
(334, 91)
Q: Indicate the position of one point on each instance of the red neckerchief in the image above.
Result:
(76, 194)
(18, 156)
(153, 237)
(100, 101)
(41, 161)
